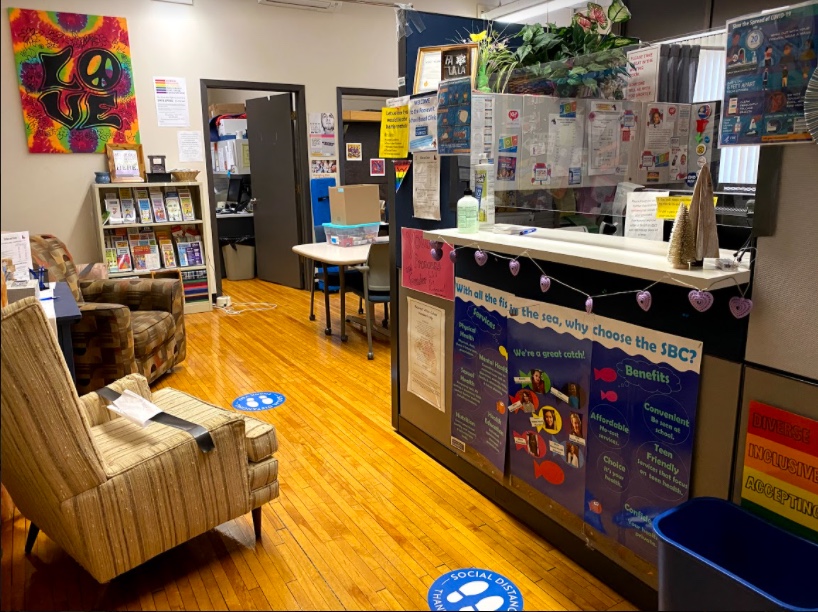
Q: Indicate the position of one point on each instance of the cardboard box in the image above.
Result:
(226, 109)
(354, 204)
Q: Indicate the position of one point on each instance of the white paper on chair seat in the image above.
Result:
(135, 408)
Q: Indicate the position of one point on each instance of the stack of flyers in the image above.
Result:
(114, 209)
(143, 204)
(110, 260)
(168, 256)
(172, 205)
(123, 259)
(158, 204)
(187, 205)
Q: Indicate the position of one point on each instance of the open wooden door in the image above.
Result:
(270, 131)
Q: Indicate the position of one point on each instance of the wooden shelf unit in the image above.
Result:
(198, 281)
(353, 115)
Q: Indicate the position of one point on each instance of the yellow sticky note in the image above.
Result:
(666, 208)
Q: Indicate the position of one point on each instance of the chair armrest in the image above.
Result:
(165, 294)
(96, 408)
(159, 500)
(91, 271)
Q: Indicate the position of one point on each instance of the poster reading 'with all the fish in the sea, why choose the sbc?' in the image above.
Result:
(601, 417)
(479, 388)
(549, 369)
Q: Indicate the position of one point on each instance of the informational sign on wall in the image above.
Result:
(770, 58)
(643, 392)
(454, 117)
(422, 273)
(480, 374)
(780, 479)
(643, 74)
(394, 142)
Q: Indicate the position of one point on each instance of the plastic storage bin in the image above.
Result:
(239, 258)
(715, 555)
(351, 235)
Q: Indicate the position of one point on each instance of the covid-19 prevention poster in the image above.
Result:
(769, 61)
(643, 392)
(549, 369)
(479, 388)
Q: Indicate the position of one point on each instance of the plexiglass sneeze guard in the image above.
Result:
(560, 151)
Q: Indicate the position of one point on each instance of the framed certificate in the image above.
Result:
(125, 163)
(430, 68)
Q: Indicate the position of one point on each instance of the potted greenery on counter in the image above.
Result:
(581, 60)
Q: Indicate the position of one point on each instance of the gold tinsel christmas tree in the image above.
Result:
(682, 248)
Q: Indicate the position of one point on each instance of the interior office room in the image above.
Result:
(449, 305)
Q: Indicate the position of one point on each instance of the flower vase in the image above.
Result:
(482, 79)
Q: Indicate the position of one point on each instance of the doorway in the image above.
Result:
(359, 114)
(272, 142)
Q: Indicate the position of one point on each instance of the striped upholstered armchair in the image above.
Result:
(109, 492)
(127, 326)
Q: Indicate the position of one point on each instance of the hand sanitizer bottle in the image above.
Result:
(467, 207)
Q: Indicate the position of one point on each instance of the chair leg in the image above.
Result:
(33, 530)
(257, 522)
(312, 291)
(360, 306)
(385, 321)
(369, 315)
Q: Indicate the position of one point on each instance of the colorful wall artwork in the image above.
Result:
(76, 81)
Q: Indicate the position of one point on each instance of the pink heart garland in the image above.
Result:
(453, 255)
(437, 254)
(545, 283)
(740, 306)
(700, 300)
(480, 257)
(514, 267)
(589, 305)
(644, 299)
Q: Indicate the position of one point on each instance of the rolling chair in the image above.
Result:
(373, 287)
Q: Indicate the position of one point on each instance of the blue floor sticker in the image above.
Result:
(253, 402)
(474, 589)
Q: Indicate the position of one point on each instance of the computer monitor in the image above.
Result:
(234, 190)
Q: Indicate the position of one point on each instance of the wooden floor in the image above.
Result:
(365, 520)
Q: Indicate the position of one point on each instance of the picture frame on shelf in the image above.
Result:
(125, 162)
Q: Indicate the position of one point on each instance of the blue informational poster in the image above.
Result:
(549, 373)
(479, 388)
(770, 59)
(454, 117)
(642, 413)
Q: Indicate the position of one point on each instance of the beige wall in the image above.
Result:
(213, 39)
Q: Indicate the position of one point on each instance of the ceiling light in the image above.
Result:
(522, 10)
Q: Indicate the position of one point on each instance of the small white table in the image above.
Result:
(335, 256)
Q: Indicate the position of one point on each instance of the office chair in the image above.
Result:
(373, 287)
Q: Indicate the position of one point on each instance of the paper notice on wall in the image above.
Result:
(603, 138)
(426, 186)
(641, 221)
(423, 124)
(482, 122)
(171, 101)
(429, 72)
(191, 146)
(394, 143)
(16, 254)
(566, 133)
(426, 330)
(322, 134)
(422, 273)
(643, 81)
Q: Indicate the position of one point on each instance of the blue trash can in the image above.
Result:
(715, 555)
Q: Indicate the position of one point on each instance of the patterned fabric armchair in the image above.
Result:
(109, 492)
(127, 326)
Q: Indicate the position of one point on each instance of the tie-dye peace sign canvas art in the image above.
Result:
(76, 81)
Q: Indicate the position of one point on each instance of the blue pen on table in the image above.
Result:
(528, 230)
